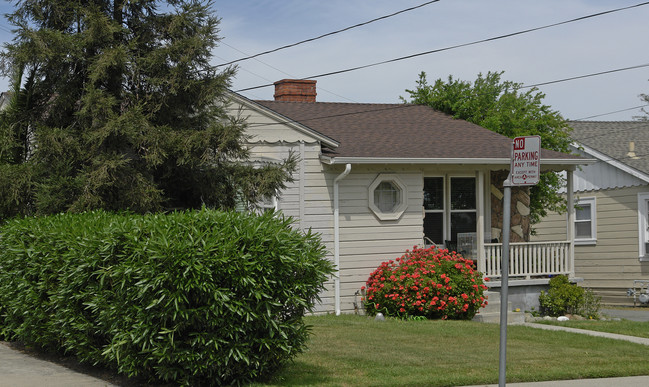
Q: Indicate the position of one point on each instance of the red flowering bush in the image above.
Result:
(431, 282)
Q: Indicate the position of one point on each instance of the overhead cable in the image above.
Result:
(460, 45)
(609, 113)
(329, 33)
(585, 76)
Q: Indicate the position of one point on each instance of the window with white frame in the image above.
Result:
(450, 208)
(643, 226)
(585, 221)
(387, 197)
(267, 204)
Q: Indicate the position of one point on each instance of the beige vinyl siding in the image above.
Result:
(365, 240)
(266, 127)
(610, 266)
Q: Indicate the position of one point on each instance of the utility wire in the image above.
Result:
(460, 45)
(585, 76)
(276, 69)
(606, 114)
(329, 33)
(400, 106)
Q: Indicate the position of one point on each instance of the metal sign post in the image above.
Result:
(524, 171)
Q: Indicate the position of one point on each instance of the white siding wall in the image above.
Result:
(610, 266)
(600, 175)
(365, 240)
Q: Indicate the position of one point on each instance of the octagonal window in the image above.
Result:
(387, 195)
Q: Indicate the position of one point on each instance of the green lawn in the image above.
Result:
(357, 351)
(623, 327)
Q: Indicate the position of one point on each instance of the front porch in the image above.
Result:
(528, 260)
(531, 265)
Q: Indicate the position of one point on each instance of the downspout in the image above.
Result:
(344, 174)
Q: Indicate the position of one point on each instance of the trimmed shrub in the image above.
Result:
(193, 298)
(566, 298)
(430, 282)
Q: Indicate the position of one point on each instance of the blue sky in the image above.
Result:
(594, 45)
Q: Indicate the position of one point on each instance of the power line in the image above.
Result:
(276, 69)
(460, 45)
(392, 106)
(586, 76)
(373, 110)
(606, 114)
(329, 33)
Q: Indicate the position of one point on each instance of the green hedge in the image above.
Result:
(200, 297)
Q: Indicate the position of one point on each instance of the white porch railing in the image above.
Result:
(528, 259)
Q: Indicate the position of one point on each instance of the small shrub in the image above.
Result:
(566, 298)
(426, 282)
(191, 298)
(592, 304)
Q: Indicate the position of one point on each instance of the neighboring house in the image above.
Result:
(611, 227)
(377, 179)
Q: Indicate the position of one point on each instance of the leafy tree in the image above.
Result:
(502, 107)
(115, 105)
(644, 98)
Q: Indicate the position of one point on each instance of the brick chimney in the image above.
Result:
(295, 90)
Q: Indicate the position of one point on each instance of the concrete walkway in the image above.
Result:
(18, 369)
(633, 381)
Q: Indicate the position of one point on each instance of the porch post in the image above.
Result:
(571, 221)
(480, 221)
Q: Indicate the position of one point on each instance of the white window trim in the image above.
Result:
(643, 223)
(400, 208)
(272, 204)
(593, 221)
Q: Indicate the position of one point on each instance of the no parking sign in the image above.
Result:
(526, 161)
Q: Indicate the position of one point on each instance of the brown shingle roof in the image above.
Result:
(399, 131)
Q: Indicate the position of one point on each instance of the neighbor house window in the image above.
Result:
(387, 197)
(643, 225)
(267, 204)
(449, 208)
(585, 222)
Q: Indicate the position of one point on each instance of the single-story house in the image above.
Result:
(612, 219)
(377, 179)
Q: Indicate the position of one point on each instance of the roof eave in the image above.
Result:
(283, 119)
(599, 156)
(546, 164)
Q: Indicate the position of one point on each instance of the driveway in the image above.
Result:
(639, 313)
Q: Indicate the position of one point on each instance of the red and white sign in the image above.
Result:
(526, 161)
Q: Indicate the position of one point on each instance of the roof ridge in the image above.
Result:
(335, 103)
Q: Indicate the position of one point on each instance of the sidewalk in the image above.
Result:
(632, 381)
(18, 369)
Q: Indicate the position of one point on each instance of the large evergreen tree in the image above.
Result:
(502, 106)
(115, 105)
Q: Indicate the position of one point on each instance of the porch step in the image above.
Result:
(491, 313)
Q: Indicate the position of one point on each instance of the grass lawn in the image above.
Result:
(623, 327)
(357, 351)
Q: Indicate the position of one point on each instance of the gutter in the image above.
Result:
(455, 160)
(344, 174)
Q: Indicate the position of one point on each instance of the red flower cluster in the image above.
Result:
(426, 282)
